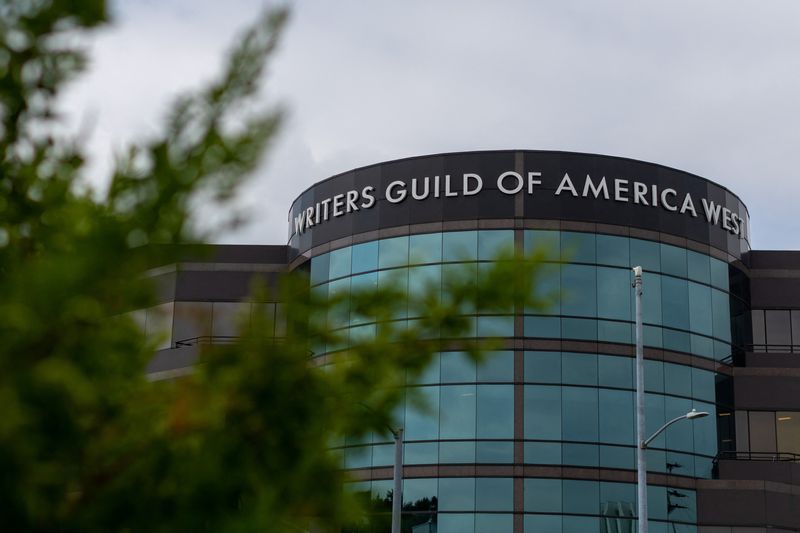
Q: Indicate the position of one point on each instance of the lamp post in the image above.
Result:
(397, 496)
(641, 441)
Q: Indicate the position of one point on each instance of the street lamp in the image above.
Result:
(641, 441)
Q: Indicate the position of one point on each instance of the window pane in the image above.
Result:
(424, 280)
(675, 302)
(543, 327)
(719, 274)
(494, 523)
(779, 330)
(614, 371)
(546, 241)
(618, 500)
(495, 326)
(497, 366)
(457, 412)
(430, 374)
(365, 257)
(579, 407)
(339, 263)
(578, 247)
(543, 453)
(580, 454)
(617, 457)
(420, 453)
(653, 376)
(393, 252)
(579, 293)
(581, 524)
(542, 495)
(422, 414)
(460, 246)
(539, 523)
(456, 494)
(456, 523)
(700, 316)
(614, 293)
(651, 305)
(419, 493)
(673, 260)
(457, 452)
(616, 416)
(703, 386)
(457, 367)
(762, 431)
(581, 497)
(494, 494)
(613, 250)
(579, 368)
(192, 320)
(679, 436)
(654, 419)
(699, 267)
(495, 411)
(320, 266)
(494, 452)
(542, 412)
(579, 328)
(721, 311)
(543, 367)
(493, 242)
(678, 379)
(788, 431)
(646, 254)
(547, 290)
(425, 248)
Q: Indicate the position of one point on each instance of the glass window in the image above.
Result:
(543, 327)
(463, 275)
(578, 247)
(653, 376)
(339, 294)
(538, 523)
(580, 454)
(673, 260)
(579, 290)
(457, 367)
(762, 431)
(460, 246)
(494, 494)
(705, 430)
(779, 329)
(675, 302)
(614, 293)
(358, 457)
(679, 341)
(542, 495)
(703, 385)
(383, 455)
(581, 497)
(543, 453)
(617, 457)
(579, 368)
(320, 266)
(654, 419)
(657, 502)
(788, 431)
(494, 523)
(542, 412)
(613, 250)
(719, 274)
(618, 500)
(678, 379)
(721, 315)
(616, 416)
(419, 492)
(651, 305)
(456, 494)
(579, 328)
(699, 267)
(759, 328)
(700, 308)
(455, 523)
(429, 375)
(679, 436)
(192, 320)
(580, 524)
(393, 252)
(545, 242)
(621, 332)
(461, 452)
(339, 263)
(420, 453)
(425, 248)
(422, 413)
(424, 281)
(497, 367)
(494, 452)
(457, 412)
(495, 326)
(615, 371)
(495, 412)
(365, 257)
(492, 243)
(547, 290)
(579, 414)
(543, 367)
(646, 254)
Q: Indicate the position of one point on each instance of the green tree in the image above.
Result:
(86, 442)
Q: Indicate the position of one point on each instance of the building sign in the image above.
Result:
(511, 183)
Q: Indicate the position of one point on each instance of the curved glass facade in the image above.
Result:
(538, 408)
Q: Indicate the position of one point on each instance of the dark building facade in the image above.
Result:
(541, 436)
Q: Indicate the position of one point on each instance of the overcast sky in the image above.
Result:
(710, 87)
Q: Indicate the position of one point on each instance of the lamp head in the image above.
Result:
(637, 271)
(694, 413)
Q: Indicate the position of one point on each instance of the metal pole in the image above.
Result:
(641, 460)
(397, 493)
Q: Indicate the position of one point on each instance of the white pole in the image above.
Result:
(641, 460)
(397, 493)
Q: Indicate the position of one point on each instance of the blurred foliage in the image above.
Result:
(87, 443)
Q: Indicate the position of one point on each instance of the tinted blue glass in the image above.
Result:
(396, 279)
(679, 436)
(339, 312)
(547, 290)
(420, 453)
(361, 334)
(679, 341)
(673, 260)
(539, 523)
(460, 246)
(653, 376)
(579, 293)
(416, 491)
(365, 257)
(393, 252)
(320, 266)
(615, 371)
(456, 494)
(705, 430)
(579, 414)
(580, 454)
(457, 367)
(580, 524)
(497, 366)
(680, 464)
(700, 308)
(543, 453)
(495, 326)
(699, 267)
(578, 247)
(364, 282)
(426, 248)
(456, 523)
(542, 495)
(494, 523)
(721, 315)
(494, 452)
(495, 412)
(678, 379)
(579, 328)
(544, 242)
(463, 275)
(430, 374)
(581, 497)
(422, 413)
(614, 293)
(424, 280)
(675, 302)
(383, 455)
(494, 494)
(616, 416)
(689, 501)
(617, 457)
(621, 332)
(457, 451)
(381, 488)
(646, 254)
(702, 346)
(358, 457)
(654, 419)
(543, 367)
(542, 412)
(493, 242)
(457, 412)
(613, 250)
(656, 502)
(579, 368)
(339, 263)
(703, 387)
(719, 274)
(543, 327)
